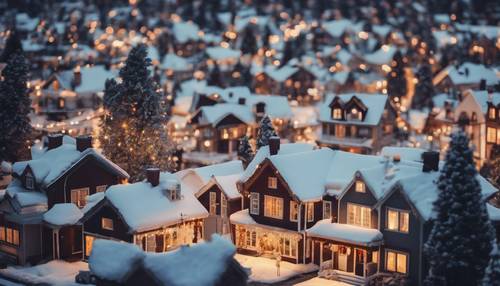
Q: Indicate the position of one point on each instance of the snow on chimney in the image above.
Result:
(153, 176)
(431, 161)
(55, 140)
(83, 142)
(274, 145)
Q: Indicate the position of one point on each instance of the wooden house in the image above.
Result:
(463, 77)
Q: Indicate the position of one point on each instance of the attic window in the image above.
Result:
(337, 113)
(30, 184)
(360, 187)
(272, 182)
(107, 223)
(492, 113)
(174, 195)
(355, 114)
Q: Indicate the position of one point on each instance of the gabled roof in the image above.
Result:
(63, 214)
(346, 233)
(227, 184)
(476, 72)
(482, 97)
(185, 31)
(382, 56)
(220, 53)
(375, 103)
(214, 114)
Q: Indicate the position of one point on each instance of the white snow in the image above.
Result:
(131, 201)
(459, 76)
(337, 27)
(317, 281)
(228, 185)
(174, 62)
(219, 53)
(113, 260)
(405, 153)
(493, 212)
(26, 198)
(264, 269)
(63, 214)
(346, 233)
(92, 200)
(382, 56)
(186, 31)
(242, 217)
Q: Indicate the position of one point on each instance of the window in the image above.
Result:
(107, 223)
(375, 256)
(327, 209)
(310, 211)
(498, 136)
(337, 113)
(2, 233)
(213, 203)
(101, 188)
(340, 131)
(251, 239)
(151, 243)
(273, 207)
(491, 135)
(174, 194)
(396, 261)
(491, 113)
(358, 215)
(89, 240)
(254, 203)
(294, 211)
(272, 182)
(9, 235)
(223, 205)
(78, 196)
(360, 187)
(398, 220)
(30, 183)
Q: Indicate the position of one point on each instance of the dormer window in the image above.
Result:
(492, 113)
(29, 182)
(355, 114)
(360, 187)
(337, 113)
(272, 182)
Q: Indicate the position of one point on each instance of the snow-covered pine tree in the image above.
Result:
(424, 91)
(396, 80)
(12, 46)
(266, 131)
(133, 131)
(492, 272)
(245, 152)
(15, 103)
(494, 163)
(461, 238)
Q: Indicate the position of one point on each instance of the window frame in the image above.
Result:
(492, 113)
(337, 113)
(361, 185)
(399, 213)
(330, 209)
(310, 211)
(108, 220)
(361, 215)
(29, 181)
(294, 210)
(396, 259)
(254, 198)
(272, 200)
(101, 188)
(79, 198)
(272, 182)
(223, 205)
(212, 203)
(493, 133)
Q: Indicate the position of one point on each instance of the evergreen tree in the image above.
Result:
(266, 131)
(461, 238)
(245, 152)
(215, 77)
(492, 273)
(424, 91)
(249, 43)
(396, 80)
(494, 163)
(15, 107)
(12, 46)
(133, 132)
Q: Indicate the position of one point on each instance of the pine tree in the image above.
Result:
(492, 272)
(461, 238)
(424, 91)
(12, 46)
(133, 132)
(494, 163)
(15, 107)
(266, 131)
(249, 43)
(396, 80)
(245, 152)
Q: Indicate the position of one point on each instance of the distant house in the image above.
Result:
(177, 68)
(208, 263)
(41, 205)
(465, 76)
(360, 123)
(187, 39)
(155, 214)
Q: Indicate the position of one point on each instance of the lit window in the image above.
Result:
(9, 235)
(360, 187)
(396, 261)
(254, 203)
(337, 113)
(30, 183)
(491, 113)
(398, 220)
(491, 135)
(310, 211)
(78, 196)
(213, 203)
(498, 136)
(327, 209)
(223, 205)
(294, 211)
(2, 233)
(107, 223)
(358, 215)
(375, 256)
(89, 240)
(273, 207)
(272, 182)
(100, 189)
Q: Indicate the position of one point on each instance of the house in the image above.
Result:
(115, 263)
(478, 113)
(157, 214)
(466, 76)
(53, 184)
(177, 68)
(65, 93)
(187, 39)
(360, 123)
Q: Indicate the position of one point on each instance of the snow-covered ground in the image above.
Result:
(264, 269)
(316, 281)
(56, 272)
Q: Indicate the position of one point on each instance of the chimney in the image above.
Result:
(274, 145)
(396, 158)
(482, 84)
(153, 176)
(467, 72)
(242, 101)
(431, 161)
(55, 140)
(77, 76)
(490, 95)
(83, 142)
(231, 94)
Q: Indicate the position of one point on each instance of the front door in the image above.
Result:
(359, 262)
(343, 258)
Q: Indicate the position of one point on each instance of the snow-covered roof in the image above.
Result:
(405, 153)
(144, 207)
(375, 102)
(228, 185)
(337, 27)
(491, 32)
(220, 53)
(174, 62)
(493, 212)
(63, 214)
(215, 113)
(25, 198)
(54, 163)
(185, 31)
(476, 72)
(382, 56)
(276, 106)
(280, 74)
(346, 233)
(93, 78)
(482, 97)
